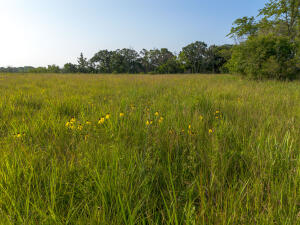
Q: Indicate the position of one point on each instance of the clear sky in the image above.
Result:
(43, 32)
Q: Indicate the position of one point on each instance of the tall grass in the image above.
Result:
(186, 149)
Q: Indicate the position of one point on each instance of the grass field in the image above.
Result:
(126, 149)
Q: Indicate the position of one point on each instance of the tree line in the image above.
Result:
(196, 57)
(266, 47)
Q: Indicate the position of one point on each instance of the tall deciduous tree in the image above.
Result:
(284, 14)
(193, 56)
(243, 28)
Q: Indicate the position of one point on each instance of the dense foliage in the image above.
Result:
(265, 57)
(268, 48)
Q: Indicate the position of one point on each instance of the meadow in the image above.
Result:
(148, 149)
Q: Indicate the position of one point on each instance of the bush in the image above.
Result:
(265, 57)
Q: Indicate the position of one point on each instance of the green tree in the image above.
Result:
(130, 60)
(285, 16)
(158, 61)
(193, 57)
(82, 64)
(53, 69)
(145, 60)
(102, 61)
(263, 57)
(216, 58)
(70, 68)
(243, 28)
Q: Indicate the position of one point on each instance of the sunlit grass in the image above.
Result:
(124, 149)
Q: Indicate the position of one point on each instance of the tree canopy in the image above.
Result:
(268, 45)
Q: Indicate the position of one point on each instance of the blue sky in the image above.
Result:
(43, 32)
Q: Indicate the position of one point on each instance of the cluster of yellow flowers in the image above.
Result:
(71, 124)
(159, 119)
(218, 114)
(103, 118)
(149, 122)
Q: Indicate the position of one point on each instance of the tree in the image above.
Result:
(158, 61)
(53, 69)
(263, 57)
(102, 61)
(243, 28)
(278, 17)
(193, 56)
(82, 64)
(70, 68)
(216, 58)
(117, 64)
(171, 65)
(130, 60)
(284, 14)
(271, 47)
(145, 60)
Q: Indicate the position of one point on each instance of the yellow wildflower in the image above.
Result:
(107, 116)
(88, 122)
(190, 127)
(217, 111)
(161, 119)
(68, 124)
(19, 135)
(121, 114)
(73, 120)
(210, 131)
(156, 113)
(101, 121)
(201, 117)
(147, 123)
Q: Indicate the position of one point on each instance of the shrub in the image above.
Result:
(265, 57)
